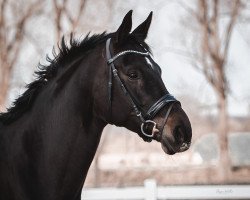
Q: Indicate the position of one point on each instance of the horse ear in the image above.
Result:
(123, 31)
(141, 31)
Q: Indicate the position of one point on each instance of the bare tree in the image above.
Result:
(14, 16)
(216, 20)
(69, 15)
(62, 11)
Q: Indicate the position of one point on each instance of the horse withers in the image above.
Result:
(49, 137)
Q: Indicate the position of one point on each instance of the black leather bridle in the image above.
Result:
(146, 118)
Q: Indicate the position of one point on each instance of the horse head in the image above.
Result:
(138, 98)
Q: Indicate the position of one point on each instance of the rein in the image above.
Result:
(153, 110)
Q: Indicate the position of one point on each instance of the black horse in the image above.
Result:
(49, 137)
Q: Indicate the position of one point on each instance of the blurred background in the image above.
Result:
(203, 48)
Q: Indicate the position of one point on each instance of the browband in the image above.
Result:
(125, 53)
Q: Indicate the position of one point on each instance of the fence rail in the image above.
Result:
(150, 191)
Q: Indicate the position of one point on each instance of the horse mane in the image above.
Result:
(45, 73)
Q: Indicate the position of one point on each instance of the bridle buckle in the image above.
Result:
(154, 129)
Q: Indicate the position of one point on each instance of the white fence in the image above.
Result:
(150, 191)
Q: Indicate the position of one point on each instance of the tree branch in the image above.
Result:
(2, 12)
(190, 11)
(20, 25)
(228, 33)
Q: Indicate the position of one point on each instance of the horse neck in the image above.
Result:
(79, 119)
(66, 128)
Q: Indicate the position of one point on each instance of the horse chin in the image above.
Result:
(166, 149)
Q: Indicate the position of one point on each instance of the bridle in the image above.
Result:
(146, 118)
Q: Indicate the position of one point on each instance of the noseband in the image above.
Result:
(146, 117)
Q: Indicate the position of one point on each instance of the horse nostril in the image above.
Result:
(179, 134)
(185, 146)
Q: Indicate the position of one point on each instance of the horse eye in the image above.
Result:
(133, 75)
